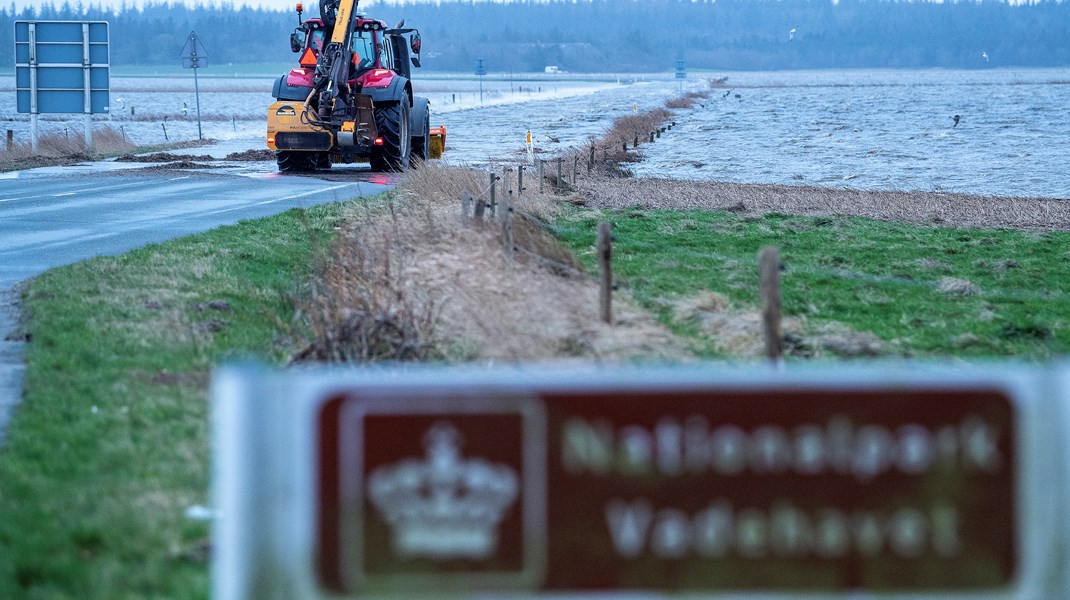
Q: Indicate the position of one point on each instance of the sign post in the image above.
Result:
(195, 56)
(906, 482)
(681, 75)
(481, 71)
(62, 67)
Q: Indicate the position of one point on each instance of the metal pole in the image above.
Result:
(197, 91)
(33, 87)
(87, 89)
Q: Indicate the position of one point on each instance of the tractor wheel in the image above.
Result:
(323, 161)
(392, 121)
(295, 162)
(421, 141)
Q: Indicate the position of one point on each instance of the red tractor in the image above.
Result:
(351, 98)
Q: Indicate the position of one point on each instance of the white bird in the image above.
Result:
(984, 55)
(791, 34)
(122, 103)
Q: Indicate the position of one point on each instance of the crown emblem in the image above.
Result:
(443, 506)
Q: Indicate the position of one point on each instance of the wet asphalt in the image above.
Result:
(60, 215)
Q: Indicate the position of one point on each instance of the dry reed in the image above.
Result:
(105, 140)
(445, 282)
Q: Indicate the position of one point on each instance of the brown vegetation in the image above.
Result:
(62, 149)
(440, 286)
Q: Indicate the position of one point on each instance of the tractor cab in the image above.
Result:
(308, 35)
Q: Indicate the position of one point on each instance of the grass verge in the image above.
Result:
(925, 291)
(110, 444)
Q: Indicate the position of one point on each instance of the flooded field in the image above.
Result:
(154, 110)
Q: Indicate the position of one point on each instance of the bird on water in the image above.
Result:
(957, 118)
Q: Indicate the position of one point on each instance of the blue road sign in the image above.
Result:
(62, 67)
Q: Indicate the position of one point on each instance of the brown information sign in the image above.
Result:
(696, 490)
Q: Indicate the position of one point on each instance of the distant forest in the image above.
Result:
(621, 35)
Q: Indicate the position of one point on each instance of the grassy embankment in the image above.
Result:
(110, 444)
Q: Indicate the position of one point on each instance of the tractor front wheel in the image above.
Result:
(323, 161)
(392, 121)
(295, 162)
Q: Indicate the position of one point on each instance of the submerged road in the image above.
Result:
(59, 215)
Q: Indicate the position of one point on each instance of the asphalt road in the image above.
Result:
(60, 215)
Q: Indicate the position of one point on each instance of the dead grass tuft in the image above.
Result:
(954, 286)
(739, 332)
(688, 100)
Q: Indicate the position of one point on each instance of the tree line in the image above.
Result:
(620, 35)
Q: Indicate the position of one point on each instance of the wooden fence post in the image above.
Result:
(590, 159)
(605, 266)
(467, 204)
(481, 206)
(519, 180)
(542, 174)
(507, 228)
(10, 139)
(559, 172)
(769, 287)
(493, 186)
(575, 169)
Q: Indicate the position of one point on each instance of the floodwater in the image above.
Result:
(891, 130)
(156, 110)
(880, 129)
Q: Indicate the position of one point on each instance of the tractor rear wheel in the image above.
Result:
(422, 140)
(295, 162)
(392, 122)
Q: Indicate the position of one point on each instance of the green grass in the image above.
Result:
(110, 444)
(871, 275)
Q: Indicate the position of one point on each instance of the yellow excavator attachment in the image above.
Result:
(288, 128)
